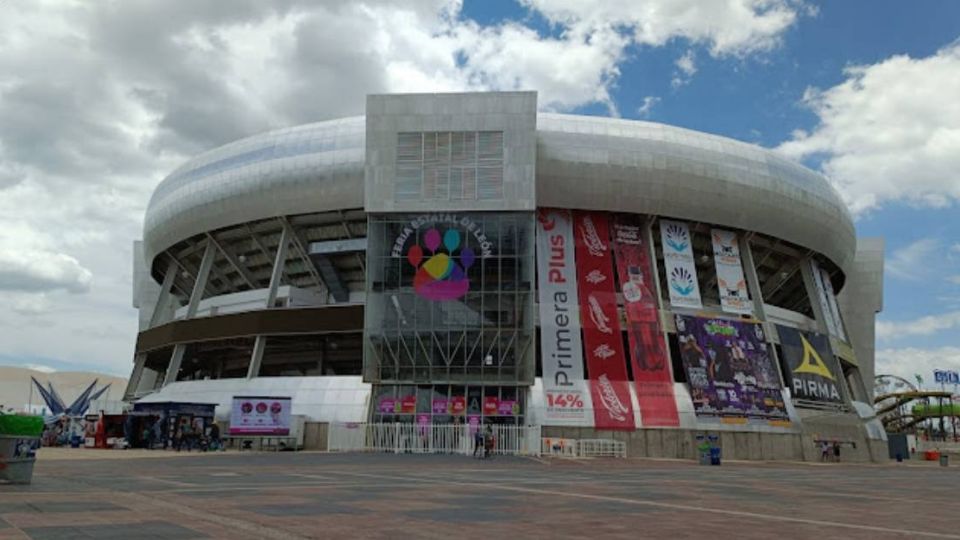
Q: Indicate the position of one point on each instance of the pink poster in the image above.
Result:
(440, 406)
(490, 404)
(458, 405)
(387, 406)
(474, 421)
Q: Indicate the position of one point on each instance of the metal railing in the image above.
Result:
(602, 448)
(572, 448)
(429, 439)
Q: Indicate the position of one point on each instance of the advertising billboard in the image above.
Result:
(565, 390)
(730, 372)
(260, 415)
(813, 371)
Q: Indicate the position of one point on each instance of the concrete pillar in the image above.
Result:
(278, 265)
(256, 358)
(134, 383)
(201, 283)
(279, 262)
(195, 296)
(175, 359)
(161, 313)
(756, 294)
(750, 272)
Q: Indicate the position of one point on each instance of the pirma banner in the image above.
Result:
(814, 372)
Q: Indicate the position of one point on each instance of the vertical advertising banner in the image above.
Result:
(603, 342)
(680, 268)
(566, 396)
(822, 298)
(651, 363)
(734, 297)
(832, 302)
(814, 372)
(730, 372)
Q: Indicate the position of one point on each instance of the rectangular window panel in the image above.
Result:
(449, 166)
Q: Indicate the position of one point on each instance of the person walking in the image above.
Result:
(488, 442)
(478, 442)
(836, 451)
(824, 451)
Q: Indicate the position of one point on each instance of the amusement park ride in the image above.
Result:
(904, 408)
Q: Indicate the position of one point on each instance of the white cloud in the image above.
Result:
(36, 270)
(649, 102)
(954, 279)
(910, 361)
(100, 100)
(686, 68)
(912, 262)
(732, 27)
(40, 367)
(923, 326)
(890, 131)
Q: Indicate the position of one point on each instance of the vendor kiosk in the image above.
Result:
(155, 425)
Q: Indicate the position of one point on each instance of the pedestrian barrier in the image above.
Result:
(401, 438)
(602, 448)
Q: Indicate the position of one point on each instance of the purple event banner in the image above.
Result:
(729, 370)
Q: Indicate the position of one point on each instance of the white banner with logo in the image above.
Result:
(734, 297)
(822, 298)
(566, 396)
(680, 268)
(832, 301)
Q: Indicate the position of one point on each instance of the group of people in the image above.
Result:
(195, 437)
(191, 435)
(483, 443)
(830, 451)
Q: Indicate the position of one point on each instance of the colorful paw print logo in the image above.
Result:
(439, 275)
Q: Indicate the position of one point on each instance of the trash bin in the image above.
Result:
(704, 452)
(715, 455)
(944, 460)
(19, 441)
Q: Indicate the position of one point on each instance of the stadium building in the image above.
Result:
(462, 257)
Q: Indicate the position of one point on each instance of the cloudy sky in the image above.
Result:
(99, 100)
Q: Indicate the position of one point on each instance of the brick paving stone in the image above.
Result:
(144, 530)
(316, 495)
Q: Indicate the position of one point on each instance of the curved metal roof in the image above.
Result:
(582, 162)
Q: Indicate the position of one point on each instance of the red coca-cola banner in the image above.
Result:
(602, 340)
(651, 363)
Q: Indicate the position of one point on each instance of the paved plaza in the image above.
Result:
(127, 495)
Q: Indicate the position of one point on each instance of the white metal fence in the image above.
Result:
(429, 439)
(572, 448)
(602, 448)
